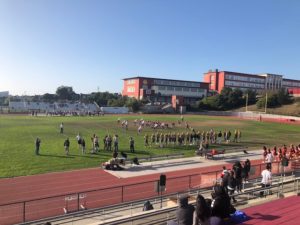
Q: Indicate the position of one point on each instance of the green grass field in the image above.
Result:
(18, 135)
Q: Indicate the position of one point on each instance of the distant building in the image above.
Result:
(4, 94)
(164, 90)
(259, 82)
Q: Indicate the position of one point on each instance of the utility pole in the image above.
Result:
(266, 105)
(247, 102)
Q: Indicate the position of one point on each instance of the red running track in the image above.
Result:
(61, 184)
(283, 211)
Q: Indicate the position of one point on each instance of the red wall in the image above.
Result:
(136, 85)
(221, 81)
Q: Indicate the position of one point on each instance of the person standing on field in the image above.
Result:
(37, 146)
(116, 143)
(83, 146)
(131, 144)
(61, 128)
(67, 146)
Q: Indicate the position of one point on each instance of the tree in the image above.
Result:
(283, 96)
(49, 97)
(103, 98)
(251, 96)
(65, 93)
(271, 98)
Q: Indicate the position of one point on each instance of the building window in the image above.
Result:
(131, 81)
(131, 89)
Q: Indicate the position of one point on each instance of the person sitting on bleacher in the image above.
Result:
(147, 206)
(220, 206)
(202, 214)
(185, 211)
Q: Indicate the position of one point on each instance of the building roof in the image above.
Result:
(138, 77)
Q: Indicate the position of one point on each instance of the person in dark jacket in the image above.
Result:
(231, 184)
(147, 206)
(220, 206)
(225, 175)
(185, 211)
(67, 146)
(37, 146)
(237, 168)
(202, 213)
(246, 170)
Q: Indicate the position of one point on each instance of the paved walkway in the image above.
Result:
(164, 166)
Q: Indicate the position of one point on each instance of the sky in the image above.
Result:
(92, 45)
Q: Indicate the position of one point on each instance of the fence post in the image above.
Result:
(260, 168)
(78, 201)
(122, 193)
(24, 212)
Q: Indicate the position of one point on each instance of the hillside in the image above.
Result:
(290, 110)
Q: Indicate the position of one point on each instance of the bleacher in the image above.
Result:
(165, 206)
(43, 107)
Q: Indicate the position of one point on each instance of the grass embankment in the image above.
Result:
(287, 110)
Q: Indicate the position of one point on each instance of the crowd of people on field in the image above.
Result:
(279, 153)
(110, 143)
(69, 113)
(191, 138)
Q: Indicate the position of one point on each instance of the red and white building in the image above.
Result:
(164, 90)
(259, 82)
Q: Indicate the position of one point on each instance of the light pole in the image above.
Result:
(266, 105)
(247, 102)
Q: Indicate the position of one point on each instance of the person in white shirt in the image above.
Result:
(61, 128)
(266, 180)
(269, 159)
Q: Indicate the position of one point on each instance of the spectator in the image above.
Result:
(232, 185)
(220, 206)
(266, 178)
(269, 159)
(147, 206)
(224, 171)
(37, 146)
(246, 170)
(237, 168)
(284, 163)
(225, 178)
(202, 213)
(185, 211)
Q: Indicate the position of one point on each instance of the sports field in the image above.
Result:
(18, 134)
